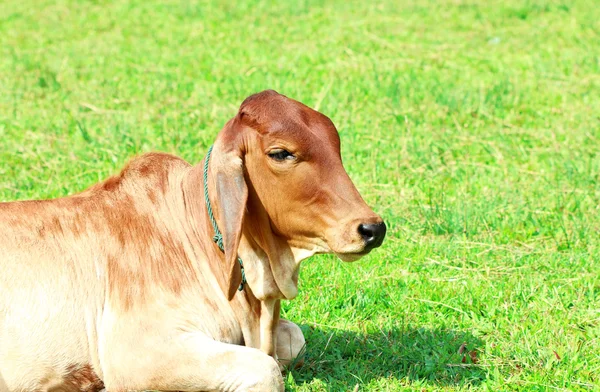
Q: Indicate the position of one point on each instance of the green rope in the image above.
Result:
(218, 237)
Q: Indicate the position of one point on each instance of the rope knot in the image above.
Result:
(218, 239)
(243, 275)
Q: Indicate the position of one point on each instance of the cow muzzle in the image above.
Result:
(372, 234)
(359, 239)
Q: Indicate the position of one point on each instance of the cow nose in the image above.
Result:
(372, 233)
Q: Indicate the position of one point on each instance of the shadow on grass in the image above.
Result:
(342, 359)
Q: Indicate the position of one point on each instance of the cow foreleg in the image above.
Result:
(196, 363)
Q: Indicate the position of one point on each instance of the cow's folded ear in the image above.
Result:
(227, 170)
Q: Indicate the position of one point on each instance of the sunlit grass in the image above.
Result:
(472, 127)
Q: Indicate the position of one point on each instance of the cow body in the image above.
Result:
(89, 281)
(122, 287)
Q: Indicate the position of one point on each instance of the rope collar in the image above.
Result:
(218, 237)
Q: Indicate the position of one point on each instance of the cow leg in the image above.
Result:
(290, 343)
(195, 362)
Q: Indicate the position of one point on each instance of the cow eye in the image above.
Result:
(281, 155)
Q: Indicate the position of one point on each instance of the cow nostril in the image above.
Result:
(365, 232)
(372, 233)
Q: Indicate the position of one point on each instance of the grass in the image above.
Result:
(473, 127)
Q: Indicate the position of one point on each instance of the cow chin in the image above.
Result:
(347, 255)
(351, 257)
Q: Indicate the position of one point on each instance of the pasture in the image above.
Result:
(472, 127)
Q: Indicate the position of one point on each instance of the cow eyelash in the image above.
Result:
(281, 155)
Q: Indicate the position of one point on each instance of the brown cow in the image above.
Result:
(122, 285)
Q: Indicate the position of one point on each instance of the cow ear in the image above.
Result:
(231, 194)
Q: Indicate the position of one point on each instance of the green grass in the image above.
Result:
(472, 127)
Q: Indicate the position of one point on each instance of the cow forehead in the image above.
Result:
(308, 137)
(280, 117)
